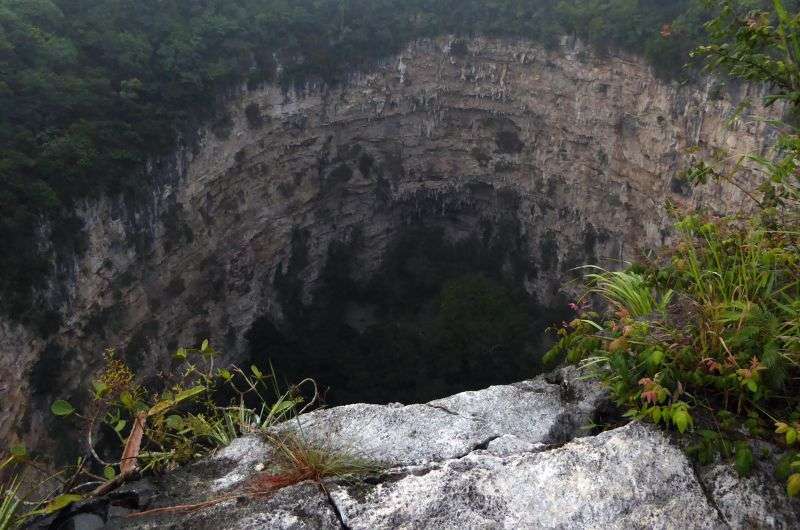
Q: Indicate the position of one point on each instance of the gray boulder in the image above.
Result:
(630, 477)
(515, 456)
(547, 410)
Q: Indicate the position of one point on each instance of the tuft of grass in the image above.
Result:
(9, 504)
(628, 291)
(9, 500)
(299, 460)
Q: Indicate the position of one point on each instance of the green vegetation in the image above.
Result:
(705, 337)
(437, 318)
(9, 500)
(299, 460)
(92, 90)
(129, 430)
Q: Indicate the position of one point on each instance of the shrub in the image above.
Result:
(705, 338)
(708, 332)
(197, 409)
(188, 417)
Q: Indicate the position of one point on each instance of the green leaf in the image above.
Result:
(189, 393)
(161, 406)
(174, 422)
(166, 404)
(656, 414)
(256, 372)
(100, 388)
(783, 468)
(127, 400)
(181, 354)
(120, 425)
(204, 346)
(282, 407)
(109, 473)
(681, 419)
(656, 358)
(19, 452)
(793, 485)
(61, 408)
(744, 458)
(791, 437)
(752, 385)
(59, 503)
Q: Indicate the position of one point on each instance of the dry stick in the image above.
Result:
(118, 481)
(183, 507)
(128, 456)
(313, 399)
(260, 486)
(127, 467)
(133, 445)
(91, 444)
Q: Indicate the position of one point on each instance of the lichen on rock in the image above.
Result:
(486, 459)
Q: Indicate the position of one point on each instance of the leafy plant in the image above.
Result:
(184, 420)
(704, 337)
(628, 291)
(197, 410)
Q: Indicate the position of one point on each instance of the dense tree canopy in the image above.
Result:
(91, 89)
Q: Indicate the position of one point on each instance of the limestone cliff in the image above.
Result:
(581, 150)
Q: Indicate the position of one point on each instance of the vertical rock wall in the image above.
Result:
(582, 150)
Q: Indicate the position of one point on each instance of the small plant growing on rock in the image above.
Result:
(198, 409)
(302, 460)
(705, 337)
(184, 420)
(9, 499)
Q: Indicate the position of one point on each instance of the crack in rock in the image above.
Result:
(334, 507)
(709, 497)
(444, 409)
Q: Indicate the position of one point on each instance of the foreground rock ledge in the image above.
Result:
(506, 457)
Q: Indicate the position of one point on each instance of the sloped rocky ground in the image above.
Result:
(515, 456)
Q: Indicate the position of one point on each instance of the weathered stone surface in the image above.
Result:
(549, 409)
(303, 506)
(395, 435)
(631, 477)
(240, 459)
(475, 460)
(533, 412)
(508, 444)
(756, 501)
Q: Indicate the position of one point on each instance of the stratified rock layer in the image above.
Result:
(449, 476)
(579, 150)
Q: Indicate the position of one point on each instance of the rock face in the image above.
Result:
(534, 414)
(577, 151)
(627, 478)
(506, 457)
